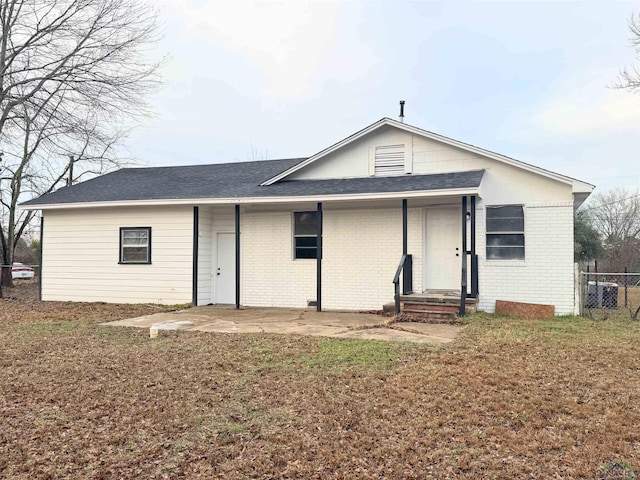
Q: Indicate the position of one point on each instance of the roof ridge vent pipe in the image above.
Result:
(401, 111)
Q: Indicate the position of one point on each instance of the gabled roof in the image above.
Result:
(230, 182)
(577, 185)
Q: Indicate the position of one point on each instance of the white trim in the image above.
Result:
(254, 200)
(578, 185)
(408, 157)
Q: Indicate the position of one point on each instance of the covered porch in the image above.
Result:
(360, 254)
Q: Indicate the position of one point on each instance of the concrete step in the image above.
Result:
(435, 299)
(428, 316)
(430, 307)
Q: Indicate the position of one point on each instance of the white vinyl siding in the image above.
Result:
(388, 160)
(81, 254)
(205, 244)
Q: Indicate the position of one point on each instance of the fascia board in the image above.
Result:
(258, 200)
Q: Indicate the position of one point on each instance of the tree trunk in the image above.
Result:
(6, 280)
(5, 277)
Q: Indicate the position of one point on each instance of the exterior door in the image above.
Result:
(225, 273)
(443, 244)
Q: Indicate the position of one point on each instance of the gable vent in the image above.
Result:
(389, 160)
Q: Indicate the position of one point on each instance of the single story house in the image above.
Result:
(334, 230)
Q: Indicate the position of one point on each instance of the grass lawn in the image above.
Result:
(509, 399)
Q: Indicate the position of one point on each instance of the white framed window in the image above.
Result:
(305, 234)
(505, 232)
(135, 245)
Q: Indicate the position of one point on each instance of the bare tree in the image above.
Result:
(616, 216)
(630, 76)
(74, 75)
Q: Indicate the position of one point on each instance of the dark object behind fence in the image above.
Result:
(602, 295)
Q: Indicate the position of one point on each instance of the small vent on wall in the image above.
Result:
(389, 160)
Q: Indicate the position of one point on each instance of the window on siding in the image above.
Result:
(505, 232)
(135, 245)
(389, 160)
(305, 238)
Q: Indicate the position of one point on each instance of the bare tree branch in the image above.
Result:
(616, 216)
(72, 74)
(629, 77)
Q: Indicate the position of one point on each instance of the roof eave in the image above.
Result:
(259, 200)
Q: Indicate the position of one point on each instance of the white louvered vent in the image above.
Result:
(389, 160)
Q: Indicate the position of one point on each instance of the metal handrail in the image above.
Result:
(396, 283)
(396, 278)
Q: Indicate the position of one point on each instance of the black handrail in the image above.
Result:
(396, 283)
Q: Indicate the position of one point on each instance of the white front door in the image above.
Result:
(443, 245)
(225, 272)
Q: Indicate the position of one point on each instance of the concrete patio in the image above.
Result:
(223, 319)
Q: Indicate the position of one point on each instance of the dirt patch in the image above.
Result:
(552, 398)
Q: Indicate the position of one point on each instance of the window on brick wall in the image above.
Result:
(505, 232)
(305, 234)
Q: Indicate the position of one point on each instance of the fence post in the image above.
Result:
(626, 283)
(577, 285)
(598, 297)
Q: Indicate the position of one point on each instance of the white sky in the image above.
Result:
(254, 80)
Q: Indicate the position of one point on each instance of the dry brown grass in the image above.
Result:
(633, 297)
(510, 399)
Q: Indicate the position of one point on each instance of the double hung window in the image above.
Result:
(135, 245)
(305, 234)
(505, 232)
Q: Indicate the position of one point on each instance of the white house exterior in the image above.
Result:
(170, 235)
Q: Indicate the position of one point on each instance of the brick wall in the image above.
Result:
(270, 275)
(546, 274)
(362, 249)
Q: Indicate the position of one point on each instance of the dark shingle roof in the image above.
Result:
(232, 180)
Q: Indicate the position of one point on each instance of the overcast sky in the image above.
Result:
(279, 80)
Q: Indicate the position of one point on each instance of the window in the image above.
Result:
(135, 245)
(388, 160)
(305, 238)
(505, 232)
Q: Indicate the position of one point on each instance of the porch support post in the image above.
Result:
(404, 226)
(237, 257)
(474, 257)
(463, 284)
(194, 273)
(319, 259)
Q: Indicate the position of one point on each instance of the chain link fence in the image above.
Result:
(610, 295)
